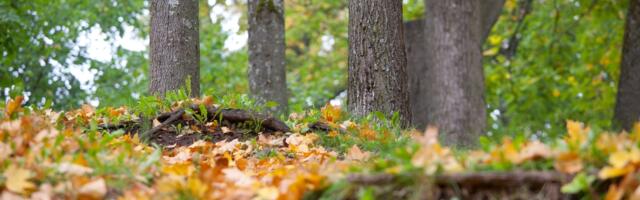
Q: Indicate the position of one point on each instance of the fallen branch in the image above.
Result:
(174, 116)
(234, 116)
(503, 179)
(367, 179)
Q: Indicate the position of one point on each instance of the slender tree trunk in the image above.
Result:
(174, 42)
(377, 61)
(455, 77)
(267, 72)
(415, 37)
(627, 111)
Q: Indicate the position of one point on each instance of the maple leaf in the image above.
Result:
(17, 180)
(96, 189)
(356, 154)
(331, 113)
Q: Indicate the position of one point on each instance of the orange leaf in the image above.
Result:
(356, 154)
(331, 113)
(568, 162)
(614, 193)
(14, 105)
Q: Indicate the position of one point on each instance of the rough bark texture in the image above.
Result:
(455, 76)
(174, 43)
(377, 61)
(627, 111)
(417, 69)
(267, 79)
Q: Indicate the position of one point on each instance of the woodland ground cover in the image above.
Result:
(326, 154)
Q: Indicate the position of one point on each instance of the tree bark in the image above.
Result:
(377, 61)
(455, 76)
(627, 111)
(174, 43)
(415, 37)
(267, 78)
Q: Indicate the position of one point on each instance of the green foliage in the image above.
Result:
(560, 62)
(39, 42)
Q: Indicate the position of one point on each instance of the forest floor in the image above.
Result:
(195, 149)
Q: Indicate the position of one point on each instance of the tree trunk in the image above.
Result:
(174, 43)
(455, 76)
(627, 111)
(267, 78)
(415, 37)
(377, 61)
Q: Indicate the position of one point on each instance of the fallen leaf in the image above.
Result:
(356, 154)
(17, 180)
(13, 105)
(568, 162)
(612, 172)
(331, 113)
(73, 169)
(614, 193)
(93, 190)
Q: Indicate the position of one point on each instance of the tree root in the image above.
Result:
(233, 116)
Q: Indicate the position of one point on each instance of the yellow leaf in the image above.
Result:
(612, 172)
(17, 180)
(197, 187)
(179, 169)
(568, 162)
(555, 93)
(331, 113)
(577, 134)
(13, 105)
(267, 193)
(93, 190)
(619, 159)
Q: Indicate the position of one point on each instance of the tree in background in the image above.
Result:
(415, 37)
(267, 72)
(377, 61)
(454, 78)
(627, 111)
(174, 46)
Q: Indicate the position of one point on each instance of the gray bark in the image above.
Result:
(455, 77)
(267, 79)
(415, 37)
(377, 61)
(627, 111)
(174, 46)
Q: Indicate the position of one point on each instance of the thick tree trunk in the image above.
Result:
(174, 46)
(377, 61)
(627, 111)
(417, 69)
(455, 77)
(267, 79)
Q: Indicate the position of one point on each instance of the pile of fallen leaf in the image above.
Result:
(50, 155)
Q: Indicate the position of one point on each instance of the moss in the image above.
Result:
(268, 4)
